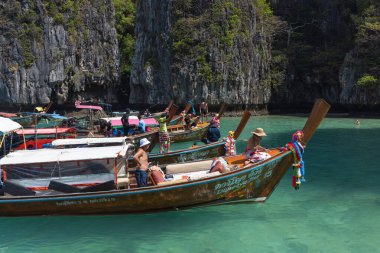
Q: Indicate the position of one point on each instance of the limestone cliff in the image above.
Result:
(213, 50)
(57, 50)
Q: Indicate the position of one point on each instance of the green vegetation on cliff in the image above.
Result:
(125, 15)
(368, 42)
(23, 24)
(204, 29)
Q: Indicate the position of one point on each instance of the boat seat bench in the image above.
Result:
(188, 167)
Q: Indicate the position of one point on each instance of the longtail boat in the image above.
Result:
(8, 140)
(178, 133)
(192, 185)
(39, 137)
(195, 153)
(39, 120)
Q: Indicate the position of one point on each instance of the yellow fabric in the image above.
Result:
(39, 109)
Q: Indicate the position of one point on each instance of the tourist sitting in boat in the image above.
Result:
(220, 165)
(213, 134)
(141, 127)
(190, 121)
(163, 133)
(141, 158)
(147, 113)
(216, 120)
(182, 118)
(253, 145)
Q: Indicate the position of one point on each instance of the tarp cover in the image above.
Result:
(47, 130)
(8, 125)
(133, 120)
(88, 141)
(63, 155)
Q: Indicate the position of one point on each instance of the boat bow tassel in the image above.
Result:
(298, 166)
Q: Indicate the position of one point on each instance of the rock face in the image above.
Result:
(349, 74)
(57, 50)
(218, 51)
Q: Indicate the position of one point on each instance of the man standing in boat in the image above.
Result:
(141, 159)
(203, 110)
(125, 122)
(163, 134)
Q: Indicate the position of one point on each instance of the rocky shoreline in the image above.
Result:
(231, 111)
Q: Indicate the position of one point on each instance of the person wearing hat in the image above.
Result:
(141, 159)
(253, 144)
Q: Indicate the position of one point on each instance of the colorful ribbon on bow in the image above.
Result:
(298, 166)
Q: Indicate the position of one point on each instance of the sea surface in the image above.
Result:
(336, 210)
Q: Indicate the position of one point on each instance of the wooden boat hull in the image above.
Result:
(186, 155)
(254, 183)
(188, 135)
(152, 136)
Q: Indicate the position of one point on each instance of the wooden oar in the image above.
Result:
(154, 141)
(242, 124)
(318, 113)
(187, 107)
(222, 109)
(172, 111)
(170, 104)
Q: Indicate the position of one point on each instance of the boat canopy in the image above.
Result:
(7, 114)
(47, 130)
(8, 125)
(44, 115)
(64, 155)
(88, 141)
(133, 120)
(91, 107)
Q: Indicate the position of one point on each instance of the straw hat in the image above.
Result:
(259, 132)
(144, 142)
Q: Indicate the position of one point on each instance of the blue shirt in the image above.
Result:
(213, 134)
(142, 126)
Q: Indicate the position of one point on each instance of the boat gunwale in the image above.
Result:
(155, 188)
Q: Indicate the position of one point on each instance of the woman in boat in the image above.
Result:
(163, 133)
(216, 120)
(141, 159)
(253, 144)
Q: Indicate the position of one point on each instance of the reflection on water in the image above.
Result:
(336, 210)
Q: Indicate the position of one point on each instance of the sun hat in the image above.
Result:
(259, 132)
(144, 142)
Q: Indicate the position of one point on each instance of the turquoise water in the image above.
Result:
(336, 210)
